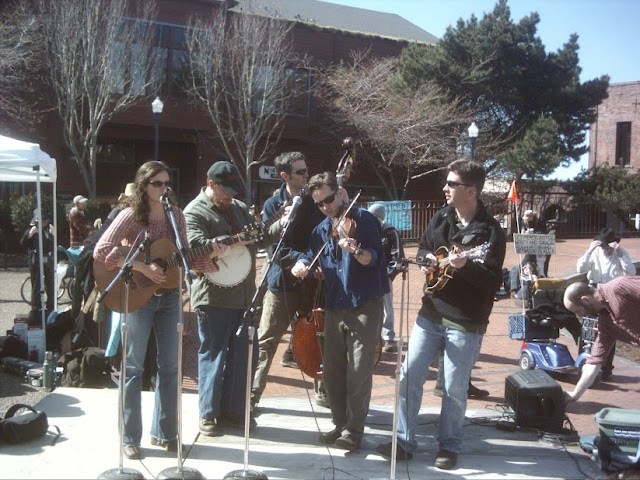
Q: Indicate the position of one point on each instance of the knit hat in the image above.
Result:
(378, 210)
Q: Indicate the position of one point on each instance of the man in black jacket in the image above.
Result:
(30, 240)
(454, 313)
(284, 296)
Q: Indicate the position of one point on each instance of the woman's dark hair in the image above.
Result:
(139, 201)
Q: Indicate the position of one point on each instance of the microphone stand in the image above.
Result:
(179, 472)
(249, 318)
(394, 435)
(121, 473)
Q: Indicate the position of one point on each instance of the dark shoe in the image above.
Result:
(384, 449)
(475, 392)
(348, 442)
(437, 392)
(330, 438)
(606, 376)
(446, 459)
(171, 445)
(210, 428)
(132, 452)
(389, 346)
(322, 401)
(288, 361)
(235, 420)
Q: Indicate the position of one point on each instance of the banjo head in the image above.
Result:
(234, 267)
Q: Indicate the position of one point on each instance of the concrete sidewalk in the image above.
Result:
(283, 446)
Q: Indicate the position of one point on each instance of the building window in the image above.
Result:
(299, 84)
(623, 144)
(116, 151)
(163, 62)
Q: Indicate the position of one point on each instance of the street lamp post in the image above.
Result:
(473, 134)
(156, 108)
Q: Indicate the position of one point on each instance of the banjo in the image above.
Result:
(235, 264)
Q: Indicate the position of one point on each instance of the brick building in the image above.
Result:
(325, 32)
(614, 138)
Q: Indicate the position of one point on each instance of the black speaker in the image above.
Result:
(536, 399)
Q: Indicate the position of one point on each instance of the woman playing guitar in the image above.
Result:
(160, 312)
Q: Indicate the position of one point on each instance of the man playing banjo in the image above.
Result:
(220, 299)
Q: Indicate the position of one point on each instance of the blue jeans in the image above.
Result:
(160, 313)
(222, 361)
(461, 351)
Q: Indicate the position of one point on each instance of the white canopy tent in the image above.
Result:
(26, 162)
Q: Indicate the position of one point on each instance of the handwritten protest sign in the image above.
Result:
(535, 243)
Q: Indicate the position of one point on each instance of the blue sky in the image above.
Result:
(609, 33)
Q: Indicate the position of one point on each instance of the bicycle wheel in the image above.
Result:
(64, 285)
(25, 290)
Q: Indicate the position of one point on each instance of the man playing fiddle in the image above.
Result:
(455, 317)
(355, 281)
(283, 297)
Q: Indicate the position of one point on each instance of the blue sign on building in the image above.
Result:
(397, 213)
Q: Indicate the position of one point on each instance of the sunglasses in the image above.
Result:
(327, 200)
(160, 183)
(302, 171)
(453, 184)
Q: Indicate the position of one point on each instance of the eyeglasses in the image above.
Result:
(160, 183)
(302, 171)
(327, 200)
(453, 184)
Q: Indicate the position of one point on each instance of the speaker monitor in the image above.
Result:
(536, 399)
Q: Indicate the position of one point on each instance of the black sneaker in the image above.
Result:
(384, 449)
(209, 428)
(390, 346)
(446, 459)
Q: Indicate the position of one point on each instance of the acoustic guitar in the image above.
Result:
(444, 271)
(164, 254)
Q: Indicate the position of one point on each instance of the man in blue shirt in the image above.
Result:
(355, 281)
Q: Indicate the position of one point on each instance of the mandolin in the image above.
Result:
(444, 271)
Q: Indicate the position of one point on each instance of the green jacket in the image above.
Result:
(206, 222)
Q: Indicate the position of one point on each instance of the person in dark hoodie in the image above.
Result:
(284, 296)
(454, 313)
(30, 241)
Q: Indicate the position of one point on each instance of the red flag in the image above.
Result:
(513, 193)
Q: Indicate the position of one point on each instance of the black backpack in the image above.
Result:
(12, 346)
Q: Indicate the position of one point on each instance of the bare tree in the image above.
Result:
(98, 57)
(18, 57)
(242, 68)
(412, 131)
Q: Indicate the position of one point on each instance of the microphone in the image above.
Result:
(147, 248)
(297, 201)
(165, 195)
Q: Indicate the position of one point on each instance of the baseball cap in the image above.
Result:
(79, 199)
(227, 176)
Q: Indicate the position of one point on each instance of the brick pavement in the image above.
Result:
(498, 357)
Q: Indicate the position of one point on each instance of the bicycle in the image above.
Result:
(66, 271)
